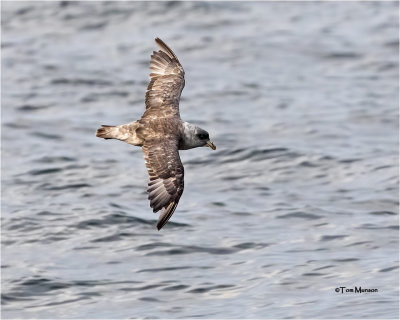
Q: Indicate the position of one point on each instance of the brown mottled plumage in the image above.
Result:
(161, 132)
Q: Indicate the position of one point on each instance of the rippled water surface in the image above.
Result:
(300, 197)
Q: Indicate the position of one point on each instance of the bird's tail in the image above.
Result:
(107, 132)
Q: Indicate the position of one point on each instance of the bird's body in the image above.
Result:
(161, 132)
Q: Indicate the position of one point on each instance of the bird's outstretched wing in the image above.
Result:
(167, 79)
(166, 176)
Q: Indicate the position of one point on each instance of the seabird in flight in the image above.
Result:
(161, 133)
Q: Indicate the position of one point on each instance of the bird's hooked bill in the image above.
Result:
(211, 145)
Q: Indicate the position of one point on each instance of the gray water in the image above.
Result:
(300, 197)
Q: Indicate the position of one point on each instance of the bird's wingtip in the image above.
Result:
(164, 47)
(166, 215)
(158, 40)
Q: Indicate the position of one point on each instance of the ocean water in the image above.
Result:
(300, 197)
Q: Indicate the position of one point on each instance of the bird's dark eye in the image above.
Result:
(203, 136)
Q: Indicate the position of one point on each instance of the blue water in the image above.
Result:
(300, 197)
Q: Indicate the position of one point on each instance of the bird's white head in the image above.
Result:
(194, 136)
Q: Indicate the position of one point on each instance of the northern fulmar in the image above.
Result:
(161, 132)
